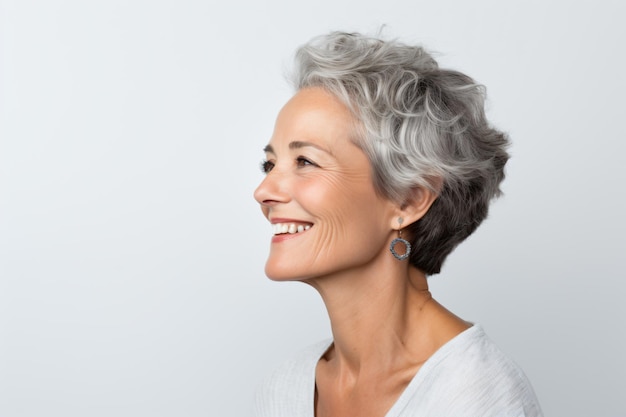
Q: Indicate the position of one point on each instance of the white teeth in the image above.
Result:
(291, 228)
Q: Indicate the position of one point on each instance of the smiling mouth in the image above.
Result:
(290, 228)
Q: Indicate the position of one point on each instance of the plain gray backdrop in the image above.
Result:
(132, 251)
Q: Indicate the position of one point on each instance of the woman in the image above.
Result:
(378, 167)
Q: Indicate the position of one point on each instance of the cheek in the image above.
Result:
(332, 198)
(350, 213)
(342, 186)
(350, 229)
(353, 197)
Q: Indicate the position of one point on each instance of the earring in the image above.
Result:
(397, 240)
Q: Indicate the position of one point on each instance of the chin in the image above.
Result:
(280, 276)
(282, 273)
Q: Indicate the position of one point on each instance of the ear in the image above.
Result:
(414, 207)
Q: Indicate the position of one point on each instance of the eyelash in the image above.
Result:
(302, 161)
(267, 166)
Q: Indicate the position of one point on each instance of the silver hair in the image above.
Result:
(420, 126)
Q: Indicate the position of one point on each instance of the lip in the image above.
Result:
(275, 220)
(283, 237)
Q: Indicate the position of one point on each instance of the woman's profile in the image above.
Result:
(378, 167)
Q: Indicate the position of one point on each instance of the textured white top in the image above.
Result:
(467, 377)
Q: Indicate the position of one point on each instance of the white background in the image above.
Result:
(132, 252)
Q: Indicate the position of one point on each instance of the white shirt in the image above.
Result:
(469, 376)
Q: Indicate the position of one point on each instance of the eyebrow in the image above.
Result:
(297, 144)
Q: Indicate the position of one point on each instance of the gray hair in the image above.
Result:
(420, 126)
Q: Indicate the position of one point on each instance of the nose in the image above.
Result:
(272, 190)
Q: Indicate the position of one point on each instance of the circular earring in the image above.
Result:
(397, 240)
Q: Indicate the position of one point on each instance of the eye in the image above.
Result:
(302, 162)
(266, 166)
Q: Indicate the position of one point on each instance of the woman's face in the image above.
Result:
(318, 193)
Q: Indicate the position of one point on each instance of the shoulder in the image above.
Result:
(471, 376)
(289, 389)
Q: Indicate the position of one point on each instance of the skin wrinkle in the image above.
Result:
(336, 230)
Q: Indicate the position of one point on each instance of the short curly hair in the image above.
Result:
(420, 126)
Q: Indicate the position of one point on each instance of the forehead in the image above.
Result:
(313, 114)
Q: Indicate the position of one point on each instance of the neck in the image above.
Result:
(388, 304)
